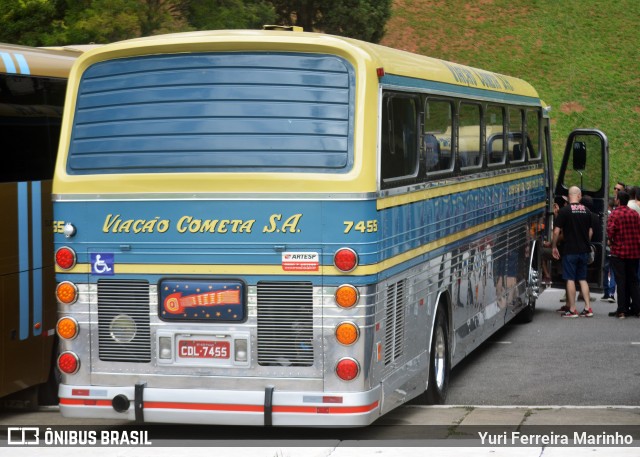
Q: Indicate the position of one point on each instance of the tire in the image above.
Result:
(533, 289)
(526, 315)
(48, 391)
(439, 364)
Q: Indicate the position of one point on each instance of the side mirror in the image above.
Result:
(579, 155)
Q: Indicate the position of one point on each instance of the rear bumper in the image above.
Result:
(200, 406)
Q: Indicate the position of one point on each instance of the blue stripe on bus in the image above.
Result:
(401, 228)
(8, 62)
(23, 258)
(22, 63)
(36, 224)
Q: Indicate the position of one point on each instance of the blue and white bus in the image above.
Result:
(288, 228)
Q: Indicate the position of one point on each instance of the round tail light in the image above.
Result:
(347, 333)
(68, 363)
(345, 259)
(67, 328)
(66, 293)
(347, 296)
(347, 369)
(65, 258)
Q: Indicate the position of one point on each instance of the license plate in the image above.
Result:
(199, 349)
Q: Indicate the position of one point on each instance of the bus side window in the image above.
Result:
(469, 142)
(437, 135)
(399, 145)
(495, 134)
(516, 151)
(533, 134)
(29, 126)
(432, 152)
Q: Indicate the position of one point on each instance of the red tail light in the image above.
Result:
(68, 363)
(345, 259)
(65, 258)
(347, 369)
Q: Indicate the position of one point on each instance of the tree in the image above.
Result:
(229, 14)
(105, 21)
(161, 16)
(59, 22)
(27, 21)
(361, 19)
(96, 21)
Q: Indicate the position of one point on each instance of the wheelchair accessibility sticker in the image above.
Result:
(102, 264)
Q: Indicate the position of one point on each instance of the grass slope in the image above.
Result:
(583, 57)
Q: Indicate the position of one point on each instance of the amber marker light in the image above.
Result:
(347, 296)
(347, 333)
(65, 258)
(67, 328)
(68, 363)
(347, 369)
(66, 293)
(345, 259)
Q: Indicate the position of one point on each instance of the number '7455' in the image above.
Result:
(361, 226)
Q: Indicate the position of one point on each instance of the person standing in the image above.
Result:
(575, 223)
(633, 199)
(609, 279)
(623, 232)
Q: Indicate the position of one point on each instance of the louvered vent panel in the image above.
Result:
(124, 333)
(285, 324)
(395, 322)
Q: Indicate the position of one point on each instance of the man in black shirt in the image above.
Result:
(575, 222)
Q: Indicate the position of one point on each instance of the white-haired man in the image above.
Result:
(575, 222)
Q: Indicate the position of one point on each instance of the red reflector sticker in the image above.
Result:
(80, 392)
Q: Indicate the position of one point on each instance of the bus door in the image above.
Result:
(586, 164)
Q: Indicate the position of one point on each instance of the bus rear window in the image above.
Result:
(209, 112)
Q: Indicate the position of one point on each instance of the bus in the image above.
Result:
(283, 228)
(32, 89)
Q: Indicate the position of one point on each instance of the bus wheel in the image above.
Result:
(533, 290)
(439, 365)
(48, 391)
(526, 315)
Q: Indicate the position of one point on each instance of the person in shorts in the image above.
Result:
(574, 221)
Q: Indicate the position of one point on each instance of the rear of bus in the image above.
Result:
(216, 232)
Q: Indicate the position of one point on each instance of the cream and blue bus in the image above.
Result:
(288, 228)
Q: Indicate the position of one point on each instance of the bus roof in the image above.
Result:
(24, 60)
(393, 61)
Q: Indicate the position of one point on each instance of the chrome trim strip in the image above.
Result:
(214, 196)
(456, 180)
